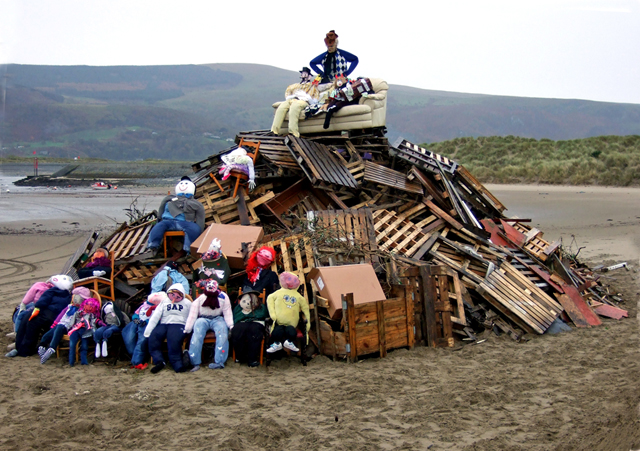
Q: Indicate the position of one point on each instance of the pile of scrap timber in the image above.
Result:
(448, 261)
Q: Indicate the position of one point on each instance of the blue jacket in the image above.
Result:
(345, 64)
(53, 301)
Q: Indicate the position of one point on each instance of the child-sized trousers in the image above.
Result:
(174, 333)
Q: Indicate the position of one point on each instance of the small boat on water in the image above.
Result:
(103, 185)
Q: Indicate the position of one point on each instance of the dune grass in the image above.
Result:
(603, 160)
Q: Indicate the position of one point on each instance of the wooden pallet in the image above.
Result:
(533, 242)
(84, 251)
(437, 309)
(299, 199)
(130, 241)
(421, 157)
(351, 237)
(272, 148)
(398, 234)
(319, 163)
(518, 299)
(476, 192)
(295, 255)
(381, 175)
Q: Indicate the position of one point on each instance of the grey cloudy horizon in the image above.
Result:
(567, 49)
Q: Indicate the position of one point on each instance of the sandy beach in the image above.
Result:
(573, 391)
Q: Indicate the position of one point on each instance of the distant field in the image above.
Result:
(604, 160)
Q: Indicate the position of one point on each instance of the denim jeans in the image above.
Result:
(24, 315)
(84, 346)
(174, 333)
(104, 333)
(191, 232)
(52, 338)
(200, 329)
(137, 346)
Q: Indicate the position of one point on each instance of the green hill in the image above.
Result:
(604, 160)
(188, 112)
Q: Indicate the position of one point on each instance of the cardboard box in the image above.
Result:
(232, 237)
(335, 281)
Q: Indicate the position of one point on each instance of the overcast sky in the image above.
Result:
(584, 49)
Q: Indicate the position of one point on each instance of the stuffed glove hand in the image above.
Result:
(34, 314)
(22, 307)
(252, 185)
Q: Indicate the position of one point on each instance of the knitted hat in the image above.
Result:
(83, 292)
(62, 282)
(289, 280)
(156, 298)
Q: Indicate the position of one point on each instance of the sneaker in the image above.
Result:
(48, 353)
(275, 347)
(159, 367)
(12, 353)
(254, 364)
(290, 346)
(216, 366)
(99, 273)
(104, 349)
(41, 351)
(141, 366)
(195, 368)
(98, 354)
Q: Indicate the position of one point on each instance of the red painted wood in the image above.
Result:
(494, 230)
(580, 303)
(610, 311)
(511, 232)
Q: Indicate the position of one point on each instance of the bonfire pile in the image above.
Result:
(436, 237)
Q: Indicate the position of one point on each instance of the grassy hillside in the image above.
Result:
(604, 160)
(188, 112)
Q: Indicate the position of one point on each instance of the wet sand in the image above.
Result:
(573, 391)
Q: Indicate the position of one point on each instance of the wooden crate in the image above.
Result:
(372, 327)
(140, 274)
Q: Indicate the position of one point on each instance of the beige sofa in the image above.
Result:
(370, 112)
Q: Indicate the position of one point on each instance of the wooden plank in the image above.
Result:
(572, 310)
(429, 295)
(347, 300)
(382, 336)
(589, 315)
(609, 311)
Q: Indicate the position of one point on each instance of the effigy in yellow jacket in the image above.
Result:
(286, 303)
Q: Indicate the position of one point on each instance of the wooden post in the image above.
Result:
(382, 336)
(348, 308)
(409, 297)
(429, 295)
(243, 212)
(316, 317)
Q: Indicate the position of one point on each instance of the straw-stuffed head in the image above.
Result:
(289, 281)
(185, 187)
(62, 282)
(78, 295)
(213, 253)
(176, 292)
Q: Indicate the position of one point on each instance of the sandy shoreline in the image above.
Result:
(573, 391)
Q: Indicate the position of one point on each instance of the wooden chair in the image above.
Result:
(96, 283)
(241, 176)
(64, 343)
(168, 235)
